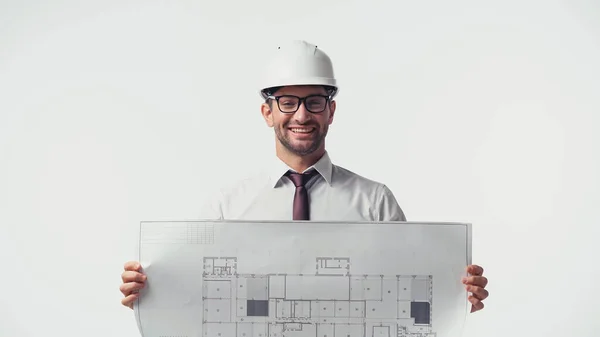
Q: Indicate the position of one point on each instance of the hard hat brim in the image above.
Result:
(330, 82)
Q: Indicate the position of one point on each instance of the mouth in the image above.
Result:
(302, 130)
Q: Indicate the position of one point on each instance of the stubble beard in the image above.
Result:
(301, 150)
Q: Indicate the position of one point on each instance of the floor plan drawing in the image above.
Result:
(302, 279)
(331, 302)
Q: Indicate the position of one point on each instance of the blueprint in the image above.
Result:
(303, 279)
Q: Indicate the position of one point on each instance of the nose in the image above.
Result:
(302, 115)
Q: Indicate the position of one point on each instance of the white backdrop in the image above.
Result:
(112, 112)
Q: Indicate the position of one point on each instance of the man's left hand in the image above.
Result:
(475, 283)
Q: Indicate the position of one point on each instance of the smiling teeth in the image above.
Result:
(301, 130)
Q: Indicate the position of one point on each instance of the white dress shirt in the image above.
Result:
(335, 194)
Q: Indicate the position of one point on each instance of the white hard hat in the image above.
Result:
(298, 63)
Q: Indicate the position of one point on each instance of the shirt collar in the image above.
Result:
(324, 166)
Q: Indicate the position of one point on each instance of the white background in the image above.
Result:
(112, 112)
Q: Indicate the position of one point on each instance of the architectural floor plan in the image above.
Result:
(331, 302)
(302, 279)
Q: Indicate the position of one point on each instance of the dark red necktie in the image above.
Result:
(301, 203)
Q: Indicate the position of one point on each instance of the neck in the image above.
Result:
(296, 162)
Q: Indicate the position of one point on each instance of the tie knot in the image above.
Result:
(300, 179)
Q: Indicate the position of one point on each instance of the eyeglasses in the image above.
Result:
(291, 104)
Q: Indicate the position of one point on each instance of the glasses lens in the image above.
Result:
(288, 103)
(315, 103)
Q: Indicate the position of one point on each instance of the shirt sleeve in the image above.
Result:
(387, 207)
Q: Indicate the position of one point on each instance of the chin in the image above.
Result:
(303, 149)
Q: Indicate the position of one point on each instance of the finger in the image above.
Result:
(474, 270)
(479, 281)
(132, 266)
(133, 276)
(478, 292)
(131, 287)
(476, 304)
(128, 301)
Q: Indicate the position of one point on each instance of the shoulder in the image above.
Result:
(250, 183)
(233, 192)
(383, 199)
(344, 176)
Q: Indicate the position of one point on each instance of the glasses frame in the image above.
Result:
(301, 100)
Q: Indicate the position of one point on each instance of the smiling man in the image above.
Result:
(302, 183)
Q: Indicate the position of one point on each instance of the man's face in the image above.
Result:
(301, 132)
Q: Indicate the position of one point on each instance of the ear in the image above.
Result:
(332, 107)
(267, 114)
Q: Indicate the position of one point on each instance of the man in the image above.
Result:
(302, 183)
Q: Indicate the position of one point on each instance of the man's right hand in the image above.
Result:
(133, 281)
